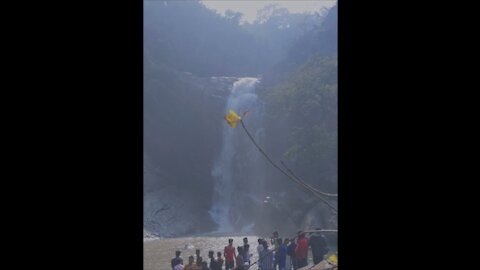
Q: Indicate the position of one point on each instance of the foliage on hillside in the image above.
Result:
(301, 97)
(187, 36)
(302, 113)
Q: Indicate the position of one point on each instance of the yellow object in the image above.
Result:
(332, 259)
(232, 118)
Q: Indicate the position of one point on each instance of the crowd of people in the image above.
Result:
(275, 254)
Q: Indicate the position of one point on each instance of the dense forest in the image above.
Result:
(295, 55)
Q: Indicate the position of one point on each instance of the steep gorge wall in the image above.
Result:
(181, 139)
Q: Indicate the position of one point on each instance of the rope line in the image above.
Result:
(280, 169)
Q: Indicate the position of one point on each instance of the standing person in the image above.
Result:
(190, 265)
(274, 242)
(259, 247)
(319, 246)
(230, 256)
(291, 254)
(266, 257)
(212, 259)
(197, 253)
(281, 255)
(301, 251)
(275, 256)
(200, 263)
(246, 251)
(239, 260)
(218, 261)
(177, 259)
(288, 261)
(259, 250)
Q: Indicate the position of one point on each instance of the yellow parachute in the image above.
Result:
(332, 259)
(232, 118)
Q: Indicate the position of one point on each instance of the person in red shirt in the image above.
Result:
(301, 251)
(230, 256)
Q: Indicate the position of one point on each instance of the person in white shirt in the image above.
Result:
(259, 247)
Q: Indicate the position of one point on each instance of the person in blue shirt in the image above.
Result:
(281, 255)
(291, 253)
(177, 259)
(266, 257)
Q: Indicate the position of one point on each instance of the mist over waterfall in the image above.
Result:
(205, 178)
(237, 172)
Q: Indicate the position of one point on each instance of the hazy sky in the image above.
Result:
(249, 8)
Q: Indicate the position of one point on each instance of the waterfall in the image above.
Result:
(236, 172)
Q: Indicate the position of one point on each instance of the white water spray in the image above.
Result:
(224, 208)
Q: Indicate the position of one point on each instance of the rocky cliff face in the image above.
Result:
(181, 134)
(182, 140)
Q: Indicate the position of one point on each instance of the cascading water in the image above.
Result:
(236, 171)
